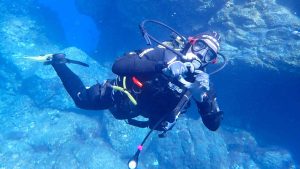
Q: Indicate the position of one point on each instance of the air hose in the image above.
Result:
(149, 37)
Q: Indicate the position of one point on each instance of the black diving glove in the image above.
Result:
(212, 120)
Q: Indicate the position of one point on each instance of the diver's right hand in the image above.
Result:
(176, 69)
(57, 58)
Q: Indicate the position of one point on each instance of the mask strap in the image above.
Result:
(192, 40)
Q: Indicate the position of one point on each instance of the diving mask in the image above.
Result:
(203, 51)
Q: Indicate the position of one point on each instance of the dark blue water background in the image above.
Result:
(293, 5)
(79, 30)
(263, 102)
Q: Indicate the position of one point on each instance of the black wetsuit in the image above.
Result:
(157, 97)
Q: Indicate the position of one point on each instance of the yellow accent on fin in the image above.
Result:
(39, 58)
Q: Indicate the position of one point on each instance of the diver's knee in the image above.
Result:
(80, 104)
(82, 101)
(213, 120)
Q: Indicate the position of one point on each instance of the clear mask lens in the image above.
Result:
(198, 46)
(209, 56)
(204, 52)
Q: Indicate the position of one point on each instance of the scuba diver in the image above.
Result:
(147, 84)
(156, 83)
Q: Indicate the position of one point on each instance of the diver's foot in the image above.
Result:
(57, 58)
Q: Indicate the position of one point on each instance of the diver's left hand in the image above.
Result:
(200, 86)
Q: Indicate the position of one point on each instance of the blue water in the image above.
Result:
(79, 30)
(291, 5)
(44, 126)
(266, 104)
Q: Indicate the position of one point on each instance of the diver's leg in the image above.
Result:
(95, 97)
(70, 80)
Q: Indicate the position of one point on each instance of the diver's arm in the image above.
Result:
(140, 64)
(204, 95)
(209, 110)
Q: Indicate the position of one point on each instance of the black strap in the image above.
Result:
(137, 123)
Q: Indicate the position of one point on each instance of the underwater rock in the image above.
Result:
(25, 32)
(96, 72)
(262, 31)
(189, 145)
(244, 152)
(122, 137)
(47, 138)
(270, 159)
(34, 136)
(21, 37)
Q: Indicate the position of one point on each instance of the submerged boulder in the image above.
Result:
(32, 137)
(25, 32)
(190, 145)
(261, 33)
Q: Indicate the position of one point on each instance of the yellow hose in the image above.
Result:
(124, 82)
(131, 98)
